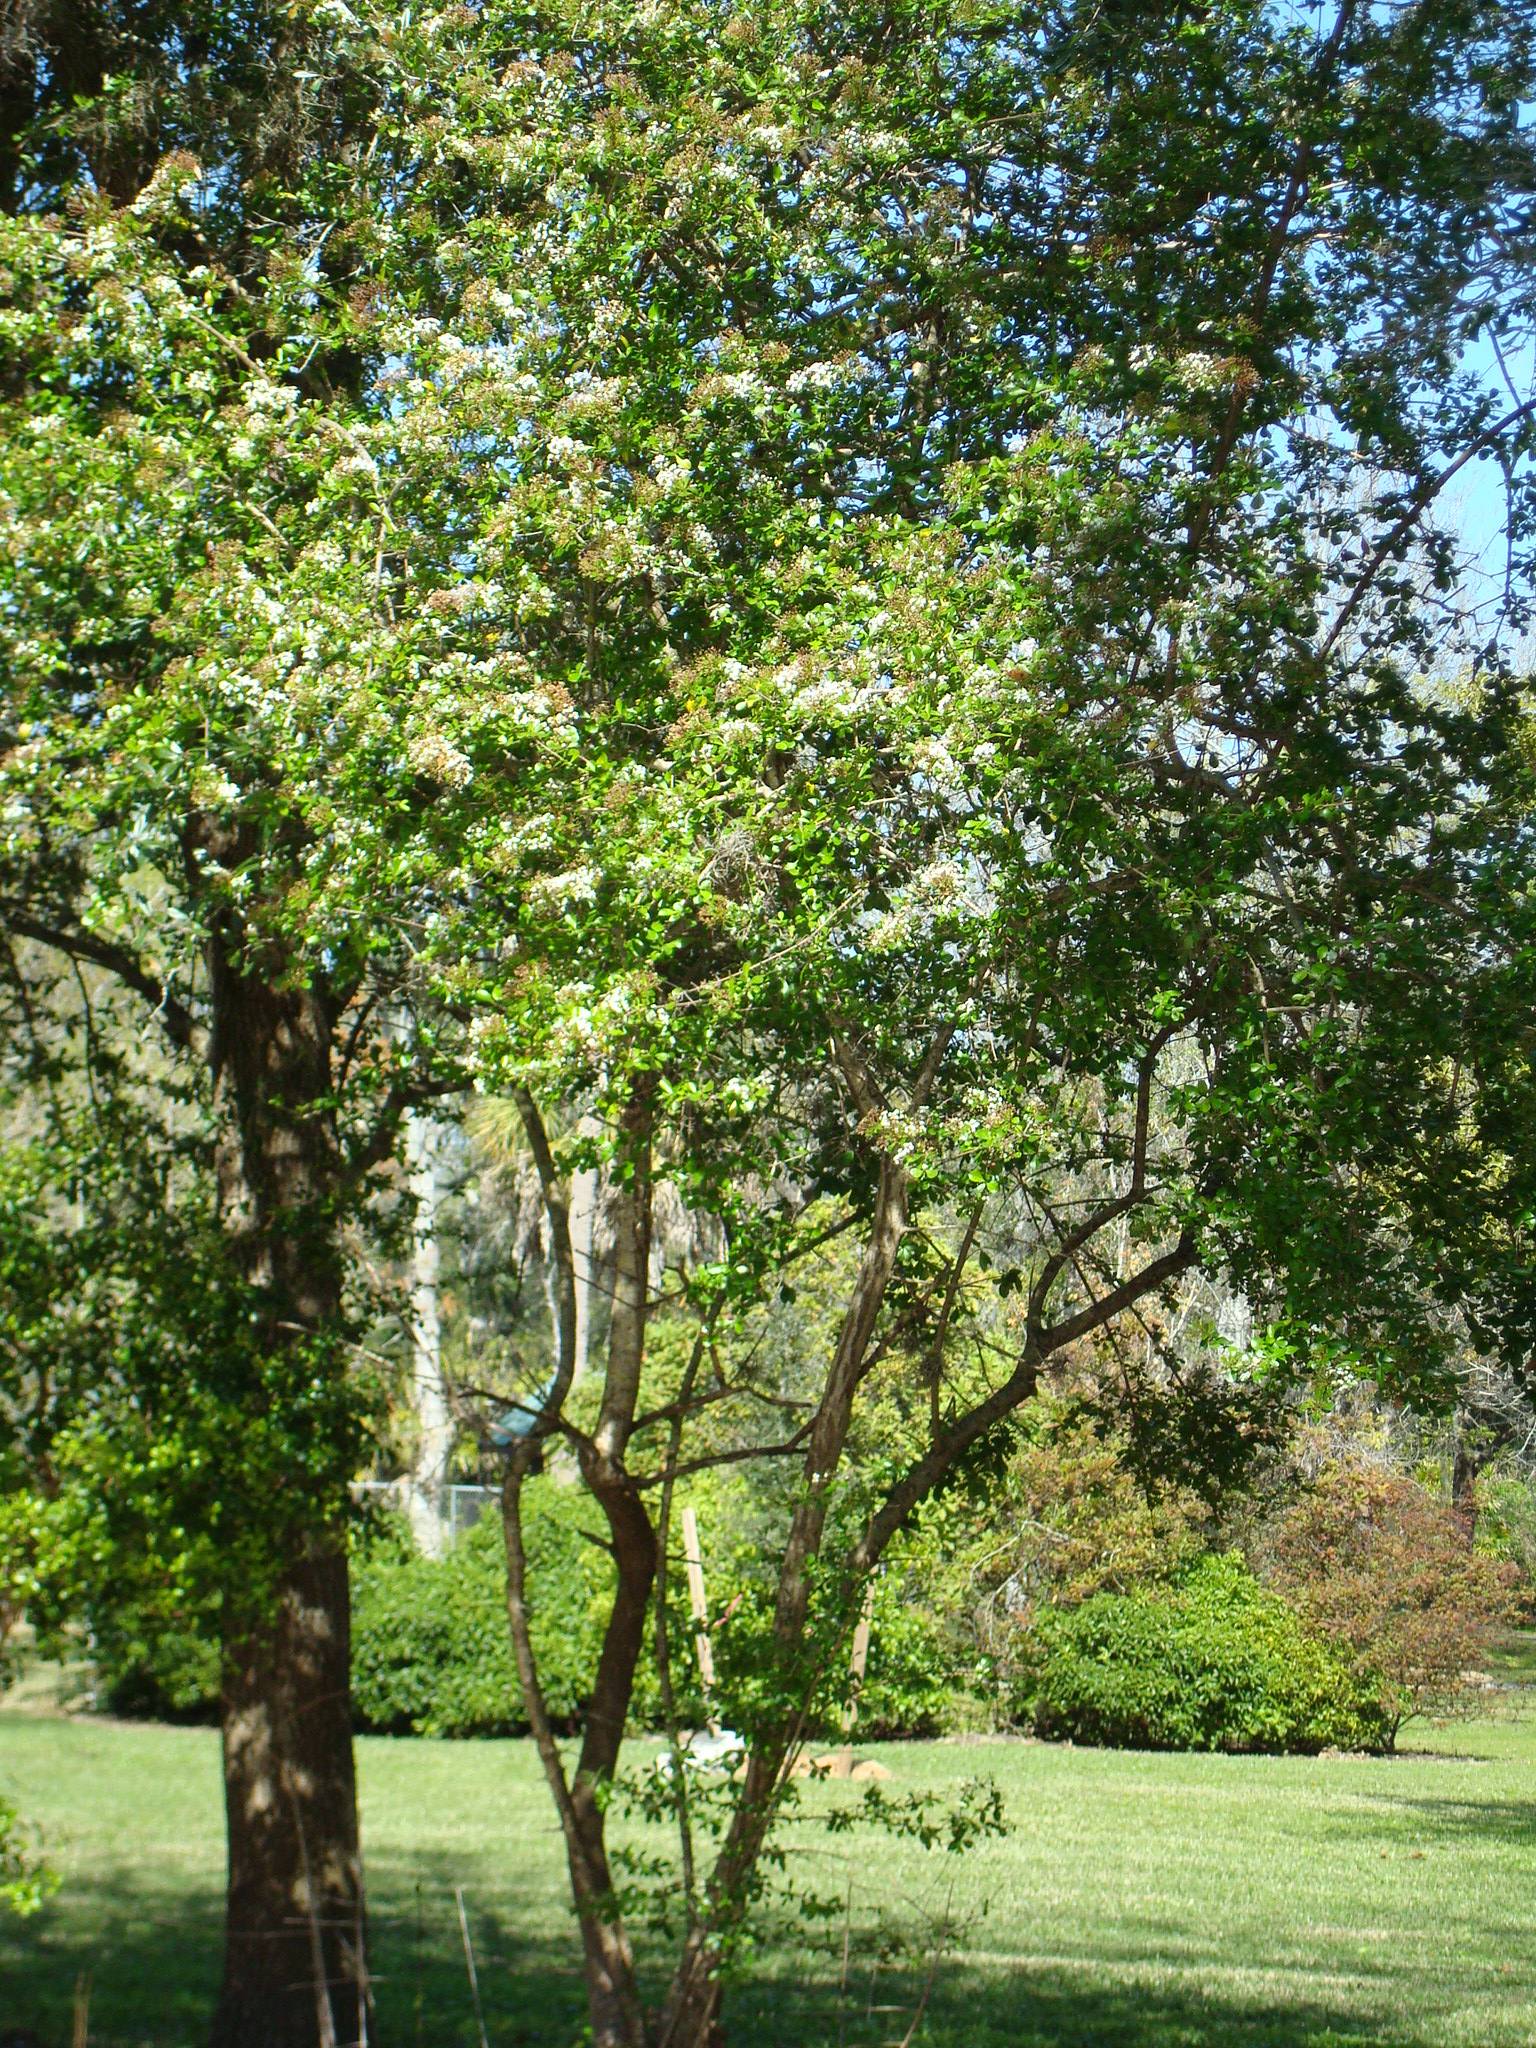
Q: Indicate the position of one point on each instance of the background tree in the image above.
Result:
(988, 780)
(179, 385)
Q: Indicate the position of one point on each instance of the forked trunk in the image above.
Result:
(617, 2019)
(692, 2016)
(295, 1974)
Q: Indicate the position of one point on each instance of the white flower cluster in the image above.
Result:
(263, 395)
(943, 889)
(561, 892)
(594, 398)
(435, 757)
(932, 760)
(741, 384)
(837, 696)
(816, 377)
(1197, 370)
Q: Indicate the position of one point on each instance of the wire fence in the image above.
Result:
(458, 1507)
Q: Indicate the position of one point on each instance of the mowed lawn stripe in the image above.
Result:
(1139, 1901)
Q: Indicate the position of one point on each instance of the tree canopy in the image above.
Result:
(858, 609)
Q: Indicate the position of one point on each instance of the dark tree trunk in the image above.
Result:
(295, 1974)
(1466, 1469)
(295, 1968)
(613, 1997)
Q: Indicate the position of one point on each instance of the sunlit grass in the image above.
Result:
(1138, 1901)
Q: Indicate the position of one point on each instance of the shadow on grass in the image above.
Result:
(1045, 2007)
(153, 1959)
(152, 1956)
(1501, 1820)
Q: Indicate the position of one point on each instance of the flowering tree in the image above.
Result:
(863, 592)
(963, 501)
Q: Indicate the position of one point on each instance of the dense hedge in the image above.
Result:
(431, 1651)
(147, 1671)
(431, 1654)
(1215, 1662)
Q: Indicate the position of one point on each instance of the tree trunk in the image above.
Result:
(427, 1486)
(613, 1997)
(1466, 1469)
(295, 1974)
(691, 2018)
(295, 1970)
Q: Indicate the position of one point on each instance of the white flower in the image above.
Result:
(829, 693)
(559, 892)
(594, 398)
(815, 377)
(265, 396)
(933, 760)
(438, 760)
(1198, 370)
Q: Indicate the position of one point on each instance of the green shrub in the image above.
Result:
(431, 1652)
(25, 1881)
(1216, 1662)
(1506, 1529)
(149, 1671)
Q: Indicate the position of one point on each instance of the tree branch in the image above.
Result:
(939, 1461)
(181, 1026)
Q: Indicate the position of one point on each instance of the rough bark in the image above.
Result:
(295, 1969)
(294, 1958)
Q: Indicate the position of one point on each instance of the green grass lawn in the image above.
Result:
(1138, 1902)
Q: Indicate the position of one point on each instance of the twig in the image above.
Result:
(933, 1968)
(842, 1982)
(469, 1964)
(80, 2033)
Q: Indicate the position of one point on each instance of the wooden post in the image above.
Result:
(842, 1764)
(694, 1560)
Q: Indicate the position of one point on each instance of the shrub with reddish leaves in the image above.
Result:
(1378, 1565)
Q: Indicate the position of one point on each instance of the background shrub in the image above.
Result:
(1382, 1569)
(1216, 1662)
(431, 1653)
(151, 1671)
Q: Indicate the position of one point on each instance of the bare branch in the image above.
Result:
(1109, 1212)
(940, 1460)
(178, 1022)
(1418, 505)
